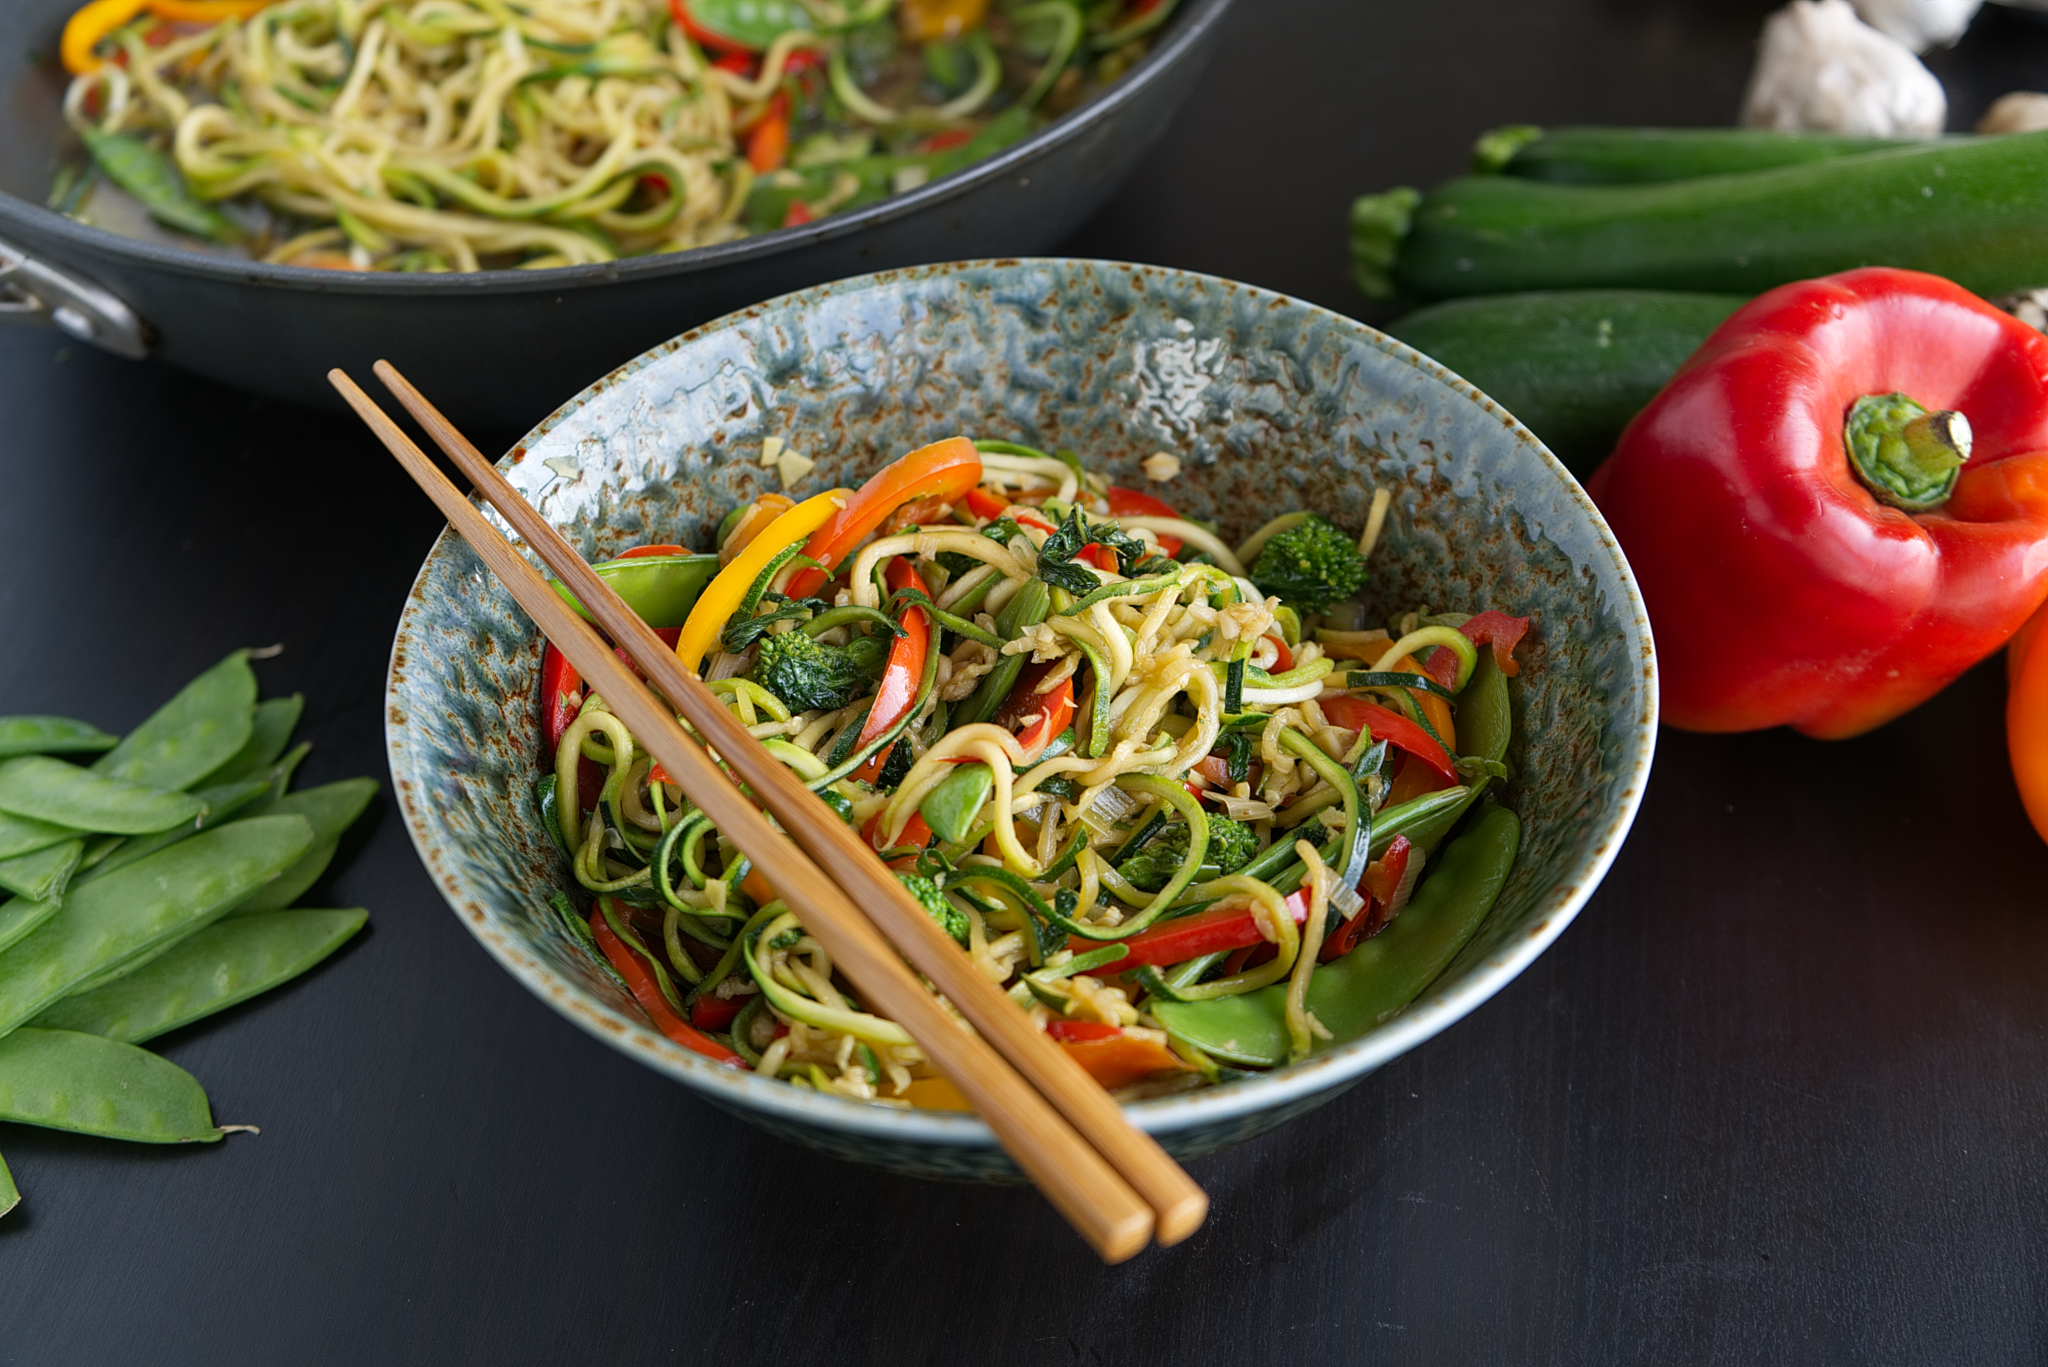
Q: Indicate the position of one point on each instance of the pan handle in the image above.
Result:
(32, 291)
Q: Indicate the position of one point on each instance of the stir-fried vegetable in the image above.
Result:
(1128, 782)
(467, 134)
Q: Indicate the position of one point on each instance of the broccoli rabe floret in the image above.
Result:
(807, 675)
(1231, 846)
(1311, 563)
(950, 918)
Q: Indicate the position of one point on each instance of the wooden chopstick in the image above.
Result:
(1178, 1205)
(1085, 1189)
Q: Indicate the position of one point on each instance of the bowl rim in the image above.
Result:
(1163, 1116)
(1185, 35)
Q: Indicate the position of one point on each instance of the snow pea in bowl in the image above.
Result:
(1235, 407)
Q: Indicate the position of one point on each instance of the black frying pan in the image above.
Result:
(500, 348)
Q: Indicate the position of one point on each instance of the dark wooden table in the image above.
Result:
(1778, 1096)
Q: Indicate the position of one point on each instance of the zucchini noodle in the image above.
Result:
(1127, 763)
(435, 135)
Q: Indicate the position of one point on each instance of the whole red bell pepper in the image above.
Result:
(1819, 539)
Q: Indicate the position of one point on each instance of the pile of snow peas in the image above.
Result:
(152, 886)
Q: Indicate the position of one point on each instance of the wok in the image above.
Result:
(499, 348)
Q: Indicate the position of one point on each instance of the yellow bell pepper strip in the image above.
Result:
(723, 596)
(89, 25)
(944, 470)
(86, 27)
(2026, 716)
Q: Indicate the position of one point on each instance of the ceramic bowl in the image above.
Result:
(1270, 404)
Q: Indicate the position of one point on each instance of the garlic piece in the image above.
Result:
(1823, 70)
(2023, 111)
(793, 467)
(1161, 466)
(1920, 24)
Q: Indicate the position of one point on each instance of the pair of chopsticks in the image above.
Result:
(1114, 1184)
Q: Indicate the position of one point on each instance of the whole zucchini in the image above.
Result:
(1973, 210)
(1574, 366)
(1641, 156)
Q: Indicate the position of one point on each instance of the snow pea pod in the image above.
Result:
(20, 915)
(227, 962)
(64, 1080)
(134, 912)
(50, 736)
(222, 801)
(38, 786)
(331, 809)
(270, 730)
(151, 175)
(661, 589)
(44, 873)
(24, 835)
(285, 889)
(1374, 981)
(1485, 720)
(10, 1196)
(204, 726)
(950, 808)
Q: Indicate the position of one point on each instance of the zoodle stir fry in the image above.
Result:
(440, 135)
(1174, 794)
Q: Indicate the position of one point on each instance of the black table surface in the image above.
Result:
(1776, 1096)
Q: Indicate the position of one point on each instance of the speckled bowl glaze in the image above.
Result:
(1271, 405)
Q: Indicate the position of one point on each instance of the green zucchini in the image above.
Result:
(1973, 210)
(1574, 365)
(1641, 156)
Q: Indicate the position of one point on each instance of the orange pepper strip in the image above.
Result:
(768, 142)
(204, 11)
(2026, 716)
(1121, 1060)
(944, 470)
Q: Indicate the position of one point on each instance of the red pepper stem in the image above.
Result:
(1905, 455)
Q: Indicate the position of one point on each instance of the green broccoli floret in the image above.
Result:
(1311, 563)
(807, 675)
(1231, 846)
(950, 918)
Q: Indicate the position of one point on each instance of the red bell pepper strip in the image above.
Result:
(1054, 709)
(944, 470)
(1136, 503)
(1495, 629)
(1056, 713)
(1356, 714)
(640, 979)
(914, 835)
(904, 672)
(1500, 631)
(985, 505)
(561, 691)
(1381, 883)
(1797, 577)
(1190, 937)
(713, 1012)
(1070, 1031)
(1283, 658)
(653, 550)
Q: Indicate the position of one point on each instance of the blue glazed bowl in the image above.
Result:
(1270, 404)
